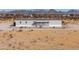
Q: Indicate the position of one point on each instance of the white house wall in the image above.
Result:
(23, 23)
(55, 23)
(28, 23)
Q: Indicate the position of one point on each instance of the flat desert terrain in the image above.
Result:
(34, 39)
(39, 39)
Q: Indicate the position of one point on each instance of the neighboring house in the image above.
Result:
(38, 23)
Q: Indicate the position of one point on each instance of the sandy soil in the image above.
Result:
(47, 39)
(39, 39)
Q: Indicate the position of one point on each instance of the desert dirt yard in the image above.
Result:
(38, 38)
(12, 38)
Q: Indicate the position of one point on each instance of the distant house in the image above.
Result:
(38, 23)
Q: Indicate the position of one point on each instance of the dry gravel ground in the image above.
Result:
(34, 39)
(39, 39)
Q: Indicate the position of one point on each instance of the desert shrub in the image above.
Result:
(10, 45)
(1, 30)
(20, 30)
(13, 46)
(53, 27)
(61, 44)
(10, 35)
(74, 31)
(46, 36)
(39, 38)
(30, 30)
(33, 41)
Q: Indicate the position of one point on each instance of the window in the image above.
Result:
(25, 21)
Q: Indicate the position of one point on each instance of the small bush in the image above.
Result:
(61, 44)
(75, 31)
(20, 30)
(30, 30)
(46, 36)
(10, 35)
(33, 41)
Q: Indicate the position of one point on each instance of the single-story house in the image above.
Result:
(38, 23)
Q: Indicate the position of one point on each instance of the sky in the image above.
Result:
(36, 4)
